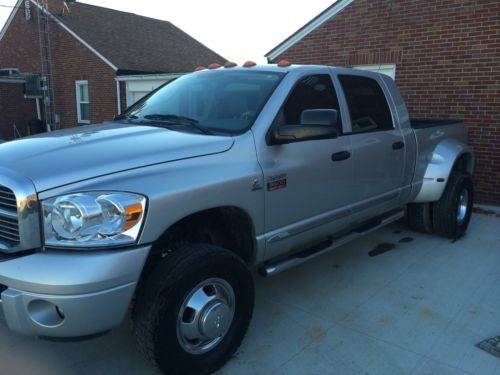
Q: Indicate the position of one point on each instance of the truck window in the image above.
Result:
(311, 92)
(367, 104)
(225, 101)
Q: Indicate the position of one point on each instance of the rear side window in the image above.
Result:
(367, 104)
(311, 92)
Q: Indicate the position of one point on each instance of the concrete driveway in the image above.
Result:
(416, 309)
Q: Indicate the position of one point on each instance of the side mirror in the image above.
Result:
(315, 124)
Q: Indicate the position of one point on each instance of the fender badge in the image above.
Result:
(277, 182)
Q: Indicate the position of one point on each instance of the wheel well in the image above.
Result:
(227, 227)
(464, 163)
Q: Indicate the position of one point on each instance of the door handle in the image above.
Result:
(398, 145)
(342, 155)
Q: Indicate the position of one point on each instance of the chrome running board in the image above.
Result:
(273, 268)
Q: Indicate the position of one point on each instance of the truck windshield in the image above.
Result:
(217, 101)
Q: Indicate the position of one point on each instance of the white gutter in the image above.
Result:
(12, 80)
(148, 77)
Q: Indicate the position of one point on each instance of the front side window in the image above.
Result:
(311, 92)
(82, 102)
(220, 100)
(367, 104)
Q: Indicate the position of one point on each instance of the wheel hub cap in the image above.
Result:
(463, 205)
(215, 320)
(205, 316)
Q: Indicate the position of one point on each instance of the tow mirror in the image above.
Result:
(315, 124)
(326, 117)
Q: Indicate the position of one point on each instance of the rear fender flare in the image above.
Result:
(440, 163)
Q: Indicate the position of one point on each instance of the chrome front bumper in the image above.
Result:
(69, 294)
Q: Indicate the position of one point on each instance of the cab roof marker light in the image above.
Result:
(284, 63)
(230, 64)
(214, 66)
(199, 68)
(249, 64)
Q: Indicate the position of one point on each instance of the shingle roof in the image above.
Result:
(134, 43)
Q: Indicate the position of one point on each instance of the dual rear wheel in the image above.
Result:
(450, 216)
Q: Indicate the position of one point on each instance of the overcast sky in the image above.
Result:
(239, 30)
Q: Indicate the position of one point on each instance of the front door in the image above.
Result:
(306, 186)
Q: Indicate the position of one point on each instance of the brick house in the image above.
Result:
(102, 60)
(444, 55)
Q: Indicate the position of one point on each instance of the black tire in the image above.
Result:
(445, 211)
(161, 298)
(419, 217)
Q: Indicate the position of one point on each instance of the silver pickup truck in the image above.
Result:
(167, 208)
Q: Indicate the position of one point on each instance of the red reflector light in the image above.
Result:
(284, 63)
(214, 66)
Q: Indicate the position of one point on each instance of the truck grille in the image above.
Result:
(9, 225)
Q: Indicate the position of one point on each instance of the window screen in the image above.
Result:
(367, 104)
(311, 92)
(82, 102)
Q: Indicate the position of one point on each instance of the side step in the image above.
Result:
(274, 268)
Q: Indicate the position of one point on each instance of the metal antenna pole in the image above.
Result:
(46, 63)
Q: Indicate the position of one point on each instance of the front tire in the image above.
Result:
(452, 213)
(193, 311)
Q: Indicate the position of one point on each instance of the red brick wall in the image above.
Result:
(15, 110)
(447, 54)
(71, 61)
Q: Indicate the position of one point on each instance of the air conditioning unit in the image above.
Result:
(34, 86)
(5, 72)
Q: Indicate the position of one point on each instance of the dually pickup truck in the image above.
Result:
(166, 209)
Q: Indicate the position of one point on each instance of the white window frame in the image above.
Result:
(388, 69)
(79, 101)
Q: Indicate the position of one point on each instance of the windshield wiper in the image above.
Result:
(171, 119)
(125, 117)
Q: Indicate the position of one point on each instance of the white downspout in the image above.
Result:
(38, 112)
(118, 97)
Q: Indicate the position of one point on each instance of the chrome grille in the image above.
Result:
(9, 224)
(7, 199)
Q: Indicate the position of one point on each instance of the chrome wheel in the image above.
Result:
(205, 316)
(463, 205)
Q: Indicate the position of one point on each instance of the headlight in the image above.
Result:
(93, 219)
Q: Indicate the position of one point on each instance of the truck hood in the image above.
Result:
(66, 156)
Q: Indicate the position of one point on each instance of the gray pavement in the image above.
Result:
(417, 309)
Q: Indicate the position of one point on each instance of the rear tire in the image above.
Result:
(192, 312)
(419, 217)
(452, 213)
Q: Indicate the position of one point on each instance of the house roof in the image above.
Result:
(337, 7)
(130, 43)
